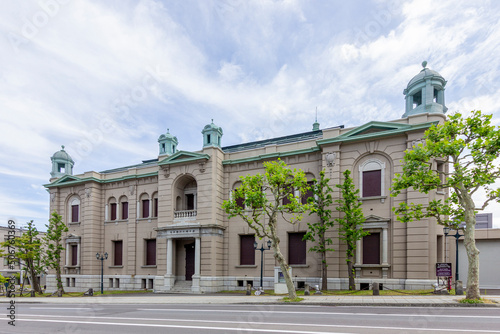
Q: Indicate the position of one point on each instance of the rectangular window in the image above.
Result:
(145, 208)
(309, 192)
(113, 211)
(371, 249)
(74, 213)
(296, 248)
(240, 202)
(189, 201)
(372, 183)
(247, 251)
(124, 210)
(151, 252)
(155, 207)
(118, 252)
(74, 255)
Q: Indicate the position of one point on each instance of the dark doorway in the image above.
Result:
(189, 261)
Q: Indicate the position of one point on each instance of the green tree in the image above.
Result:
(27, 249)
(53, 246)
(471, 146)
(350, 222)
(279, 181)
(320, 204)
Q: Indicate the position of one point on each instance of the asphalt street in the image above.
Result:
(266, 318)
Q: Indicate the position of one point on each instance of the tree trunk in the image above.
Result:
(59, 279)
(292, 294)
(324, 273)
(350, 269)
(473, 258)
(35, 284)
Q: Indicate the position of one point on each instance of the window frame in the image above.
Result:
(368, 166)
(247, 248)
(295, 259)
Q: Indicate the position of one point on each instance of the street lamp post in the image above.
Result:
(102, 257)
(457, 236)
(262, 249)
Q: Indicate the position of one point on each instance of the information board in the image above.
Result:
(443, 270)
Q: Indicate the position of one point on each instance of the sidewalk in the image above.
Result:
(429, 301)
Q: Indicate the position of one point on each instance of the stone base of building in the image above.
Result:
(161, 284)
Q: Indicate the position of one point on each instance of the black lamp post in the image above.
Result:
(102, 257)
(457, 236)
(262, 249)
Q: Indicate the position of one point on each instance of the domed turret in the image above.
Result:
(168, 143)
(212, 135)
(425, 93)
(62, 164)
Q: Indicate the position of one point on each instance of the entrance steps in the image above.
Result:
(182, 287)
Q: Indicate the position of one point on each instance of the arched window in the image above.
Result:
(112, 209)
(371, 178)
(144, 206)
(74, 209)
(123, 207)
(155, 205)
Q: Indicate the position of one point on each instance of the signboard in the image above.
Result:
(443, 270)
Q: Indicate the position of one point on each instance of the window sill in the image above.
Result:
(440, 192)
(71, 267)
(381, 198)
(372, 266)
(149, 219)
(115, 221)
(246, 266)
(299, 265)
(74, 223)
(149, 266)
(115, 266)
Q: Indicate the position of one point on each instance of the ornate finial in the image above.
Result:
(424, 63)
(168, 130)
(212, 121)
(316, 120)
(62, 146)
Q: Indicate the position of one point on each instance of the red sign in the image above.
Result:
(443, 270)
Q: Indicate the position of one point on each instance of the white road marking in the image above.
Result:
(327, 313)
(252, 323)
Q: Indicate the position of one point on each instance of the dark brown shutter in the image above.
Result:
(145, 208)
(113, 211)
(247, 252)
(371, 249)
(124, 210)
(118, 253)
(74, 255)
(155, 204)
(372, 181)
(74, 213)
(240, 202)
(286, 200)
(309, 192)
(151, 252)
(296, 248)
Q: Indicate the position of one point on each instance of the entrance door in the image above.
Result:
(189, 261)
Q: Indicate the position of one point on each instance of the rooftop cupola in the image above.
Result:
(168, 144)
(425, 93)
(212, 135)
(62, 164)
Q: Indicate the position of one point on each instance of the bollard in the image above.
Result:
(459, 288)
(249, 289)
(306, 290)
(375, 288)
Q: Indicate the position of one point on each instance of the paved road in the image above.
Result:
(270, 318)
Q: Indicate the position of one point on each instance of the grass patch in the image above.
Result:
(295, 300)
(80, 294)
(471, 301)
(347, 292)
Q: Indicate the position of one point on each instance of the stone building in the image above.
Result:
(162, 226)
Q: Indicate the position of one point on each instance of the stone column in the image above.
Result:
(169, 276)
(197, 264)
(384, 246)
(359, 251)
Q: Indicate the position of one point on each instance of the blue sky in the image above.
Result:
(106, 78)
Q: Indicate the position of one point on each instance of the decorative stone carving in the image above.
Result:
(330, 159)
(166, 171)
(131, 189)
(416, 142)
(53, 197)
(202, 167)
(88, 192)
